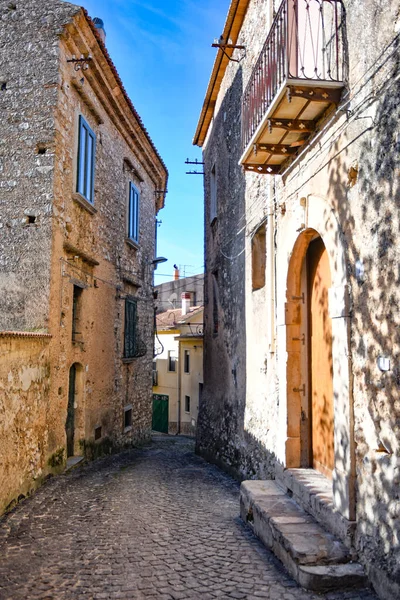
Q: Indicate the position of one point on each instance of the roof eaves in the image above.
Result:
(119, 81)
(233, 24)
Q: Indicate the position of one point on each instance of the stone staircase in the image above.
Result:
(314, 558)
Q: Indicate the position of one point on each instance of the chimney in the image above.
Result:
(185, 303)
(176, 274)
(99, 23)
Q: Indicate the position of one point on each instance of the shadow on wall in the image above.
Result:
(369, 214)
(221, 437)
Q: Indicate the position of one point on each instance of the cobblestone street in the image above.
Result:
(156, 522)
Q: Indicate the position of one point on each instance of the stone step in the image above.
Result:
(313, 557)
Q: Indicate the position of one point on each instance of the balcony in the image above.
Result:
(298, 78)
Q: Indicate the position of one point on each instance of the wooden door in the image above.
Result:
(70, 423)
(321, 368)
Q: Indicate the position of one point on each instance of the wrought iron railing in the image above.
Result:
(304, 43)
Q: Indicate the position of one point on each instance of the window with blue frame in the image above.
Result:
(133, 214)
(86, 161)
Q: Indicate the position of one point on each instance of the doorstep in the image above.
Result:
(313, 557)
(314, 493)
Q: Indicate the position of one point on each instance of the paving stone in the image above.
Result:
(152, 523)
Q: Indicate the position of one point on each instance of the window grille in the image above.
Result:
(130, 328)
(134, 347)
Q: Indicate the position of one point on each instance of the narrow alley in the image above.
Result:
(155, 522)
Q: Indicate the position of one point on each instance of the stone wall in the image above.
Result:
(233, 426)
(343, 186)
(71, 241)
(28, 97)
(24, 405)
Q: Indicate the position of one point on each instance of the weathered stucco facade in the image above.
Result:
(178, 368)
(341, 188)
(74, 261)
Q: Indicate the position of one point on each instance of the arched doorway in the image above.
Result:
(320, 365)
(73, 423)
(295, 449)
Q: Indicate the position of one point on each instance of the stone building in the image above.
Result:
(300, 133)
(81, 183)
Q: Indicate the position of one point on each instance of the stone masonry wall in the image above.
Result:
(109, 382)
(233, 426)
(73, 242)
(28, 97)
(351, 169)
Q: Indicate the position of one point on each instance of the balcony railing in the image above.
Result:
(304, 45)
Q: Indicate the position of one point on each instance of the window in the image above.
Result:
(172, 361)
(258, 257)
(86, 155)
(133, 214)
(76, 312)
(187, 362)
(127, 417)
(97, 433)
(130, 328)
(187, 404)
(213, 195)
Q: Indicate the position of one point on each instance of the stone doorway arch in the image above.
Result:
(294, 361)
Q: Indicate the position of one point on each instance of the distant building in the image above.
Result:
(80, 186)
(169, 293)
(178, 368)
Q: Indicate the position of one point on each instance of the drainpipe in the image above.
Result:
(272, 262)
(179, 389)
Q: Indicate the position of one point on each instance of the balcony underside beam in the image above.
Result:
(314, 94)
(268, 169)
(280, 149)
(296, 125)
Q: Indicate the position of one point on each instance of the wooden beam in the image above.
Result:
(280, 149)
(314, 94)
(263, 169)
(296, 125)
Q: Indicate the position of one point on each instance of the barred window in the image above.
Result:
(130, 328)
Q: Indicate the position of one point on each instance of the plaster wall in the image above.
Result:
(190, 384)
(24, 404)
(357, 218)
(168, 380)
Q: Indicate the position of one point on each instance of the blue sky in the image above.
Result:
(162, 50)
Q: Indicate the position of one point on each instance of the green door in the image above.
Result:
(160, 413)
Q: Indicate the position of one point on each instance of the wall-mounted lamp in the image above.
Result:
(81, 63)
(159, 260)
